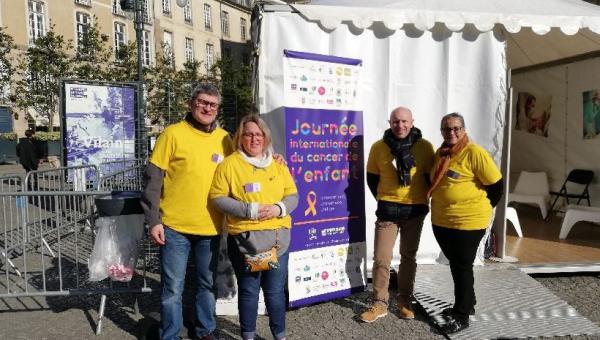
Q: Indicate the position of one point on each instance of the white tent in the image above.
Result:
(537, 31)
(434, 56)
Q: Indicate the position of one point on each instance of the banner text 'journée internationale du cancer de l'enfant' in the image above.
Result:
(324, 150)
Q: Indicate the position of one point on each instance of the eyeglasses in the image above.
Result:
(253, 135)
(455, 129)
(208, 104)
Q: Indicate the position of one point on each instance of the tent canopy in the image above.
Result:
(538, 31)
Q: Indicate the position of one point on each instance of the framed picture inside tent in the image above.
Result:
(533, 113)
(591, 114)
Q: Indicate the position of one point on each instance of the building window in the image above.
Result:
(189, 50)
(83, 22)
(166, 7)
(168, 47)
(145, 12)
(37, 20)
(187, 12)
(146, 48)
(243, 29)
(116, 8)
(120, 37)
(209, 57)
(4, 90)
(225, 23)
(207, 18)
(84, 2)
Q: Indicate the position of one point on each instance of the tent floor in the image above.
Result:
(540, 243)
(510, 304)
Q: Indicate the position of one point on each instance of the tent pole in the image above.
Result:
(500, 221)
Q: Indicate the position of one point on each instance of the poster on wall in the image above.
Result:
(324, 150)
(591, 114)
(98, 123)
(533, 113)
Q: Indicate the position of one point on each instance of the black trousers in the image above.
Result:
(32, 180)
(460, 247)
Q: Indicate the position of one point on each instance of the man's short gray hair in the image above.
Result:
(453, 115)
(205, 88)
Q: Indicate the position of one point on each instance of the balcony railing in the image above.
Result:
(84, 2)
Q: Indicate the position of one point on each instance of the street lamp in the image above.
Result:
(137, 7)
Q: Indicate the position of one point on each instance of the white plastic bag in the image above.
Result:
(116, 247)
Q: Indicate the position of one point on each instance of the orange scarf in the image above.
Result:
(446, 152)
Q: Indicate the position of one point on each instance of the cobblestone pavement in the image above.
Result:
(12, 168)
(75, 317)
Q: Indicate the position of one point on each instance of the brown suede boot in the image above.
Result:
(375, 311)
(404, 308)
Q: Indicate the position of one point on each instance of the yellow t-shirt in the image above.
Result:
(460, 200)
(381, 162)
(189, 158)
(237, 178)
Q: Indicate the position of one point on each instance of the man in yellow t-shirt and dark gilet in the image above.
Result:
(398, 176)
(182, 222)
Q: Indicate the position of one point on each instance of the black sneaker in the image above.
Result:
(454, 324)
(450, 311)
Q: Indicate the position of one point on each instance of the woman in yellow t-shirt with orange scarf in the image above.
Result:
(466, 185)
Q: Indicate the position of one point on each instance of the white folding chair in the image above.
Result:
(576, 213)
(532, 188)
(511, 215)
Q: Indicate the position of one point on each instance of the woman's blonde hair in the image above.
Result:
(252, 118)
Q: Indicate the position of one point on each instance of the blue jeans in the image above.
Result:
(174, 258)
(249, 284)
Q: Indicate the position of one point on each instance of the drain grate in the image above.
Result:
(510, 304)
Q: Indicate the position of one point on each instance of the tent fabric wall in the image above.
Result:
(564, 149)
(431, 72)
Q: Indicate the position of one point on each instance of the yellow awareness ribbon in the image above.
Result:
(311, 200)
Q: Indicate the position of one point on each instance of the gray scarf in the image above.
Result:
(400, 148)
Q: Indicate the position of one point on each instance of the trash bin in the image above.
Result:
(119, 203)
(120, 228)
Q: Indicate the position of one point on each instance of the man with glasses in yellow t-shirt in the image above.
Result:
(175, 202)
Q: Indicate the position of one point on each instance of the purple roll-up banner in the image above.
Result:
(325, 155)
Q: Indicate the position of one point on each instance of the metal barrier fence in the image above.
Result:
(113, 166)
(48, 229)
(46, 239)
(11, 183)
(128, 179)
(74, 178)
